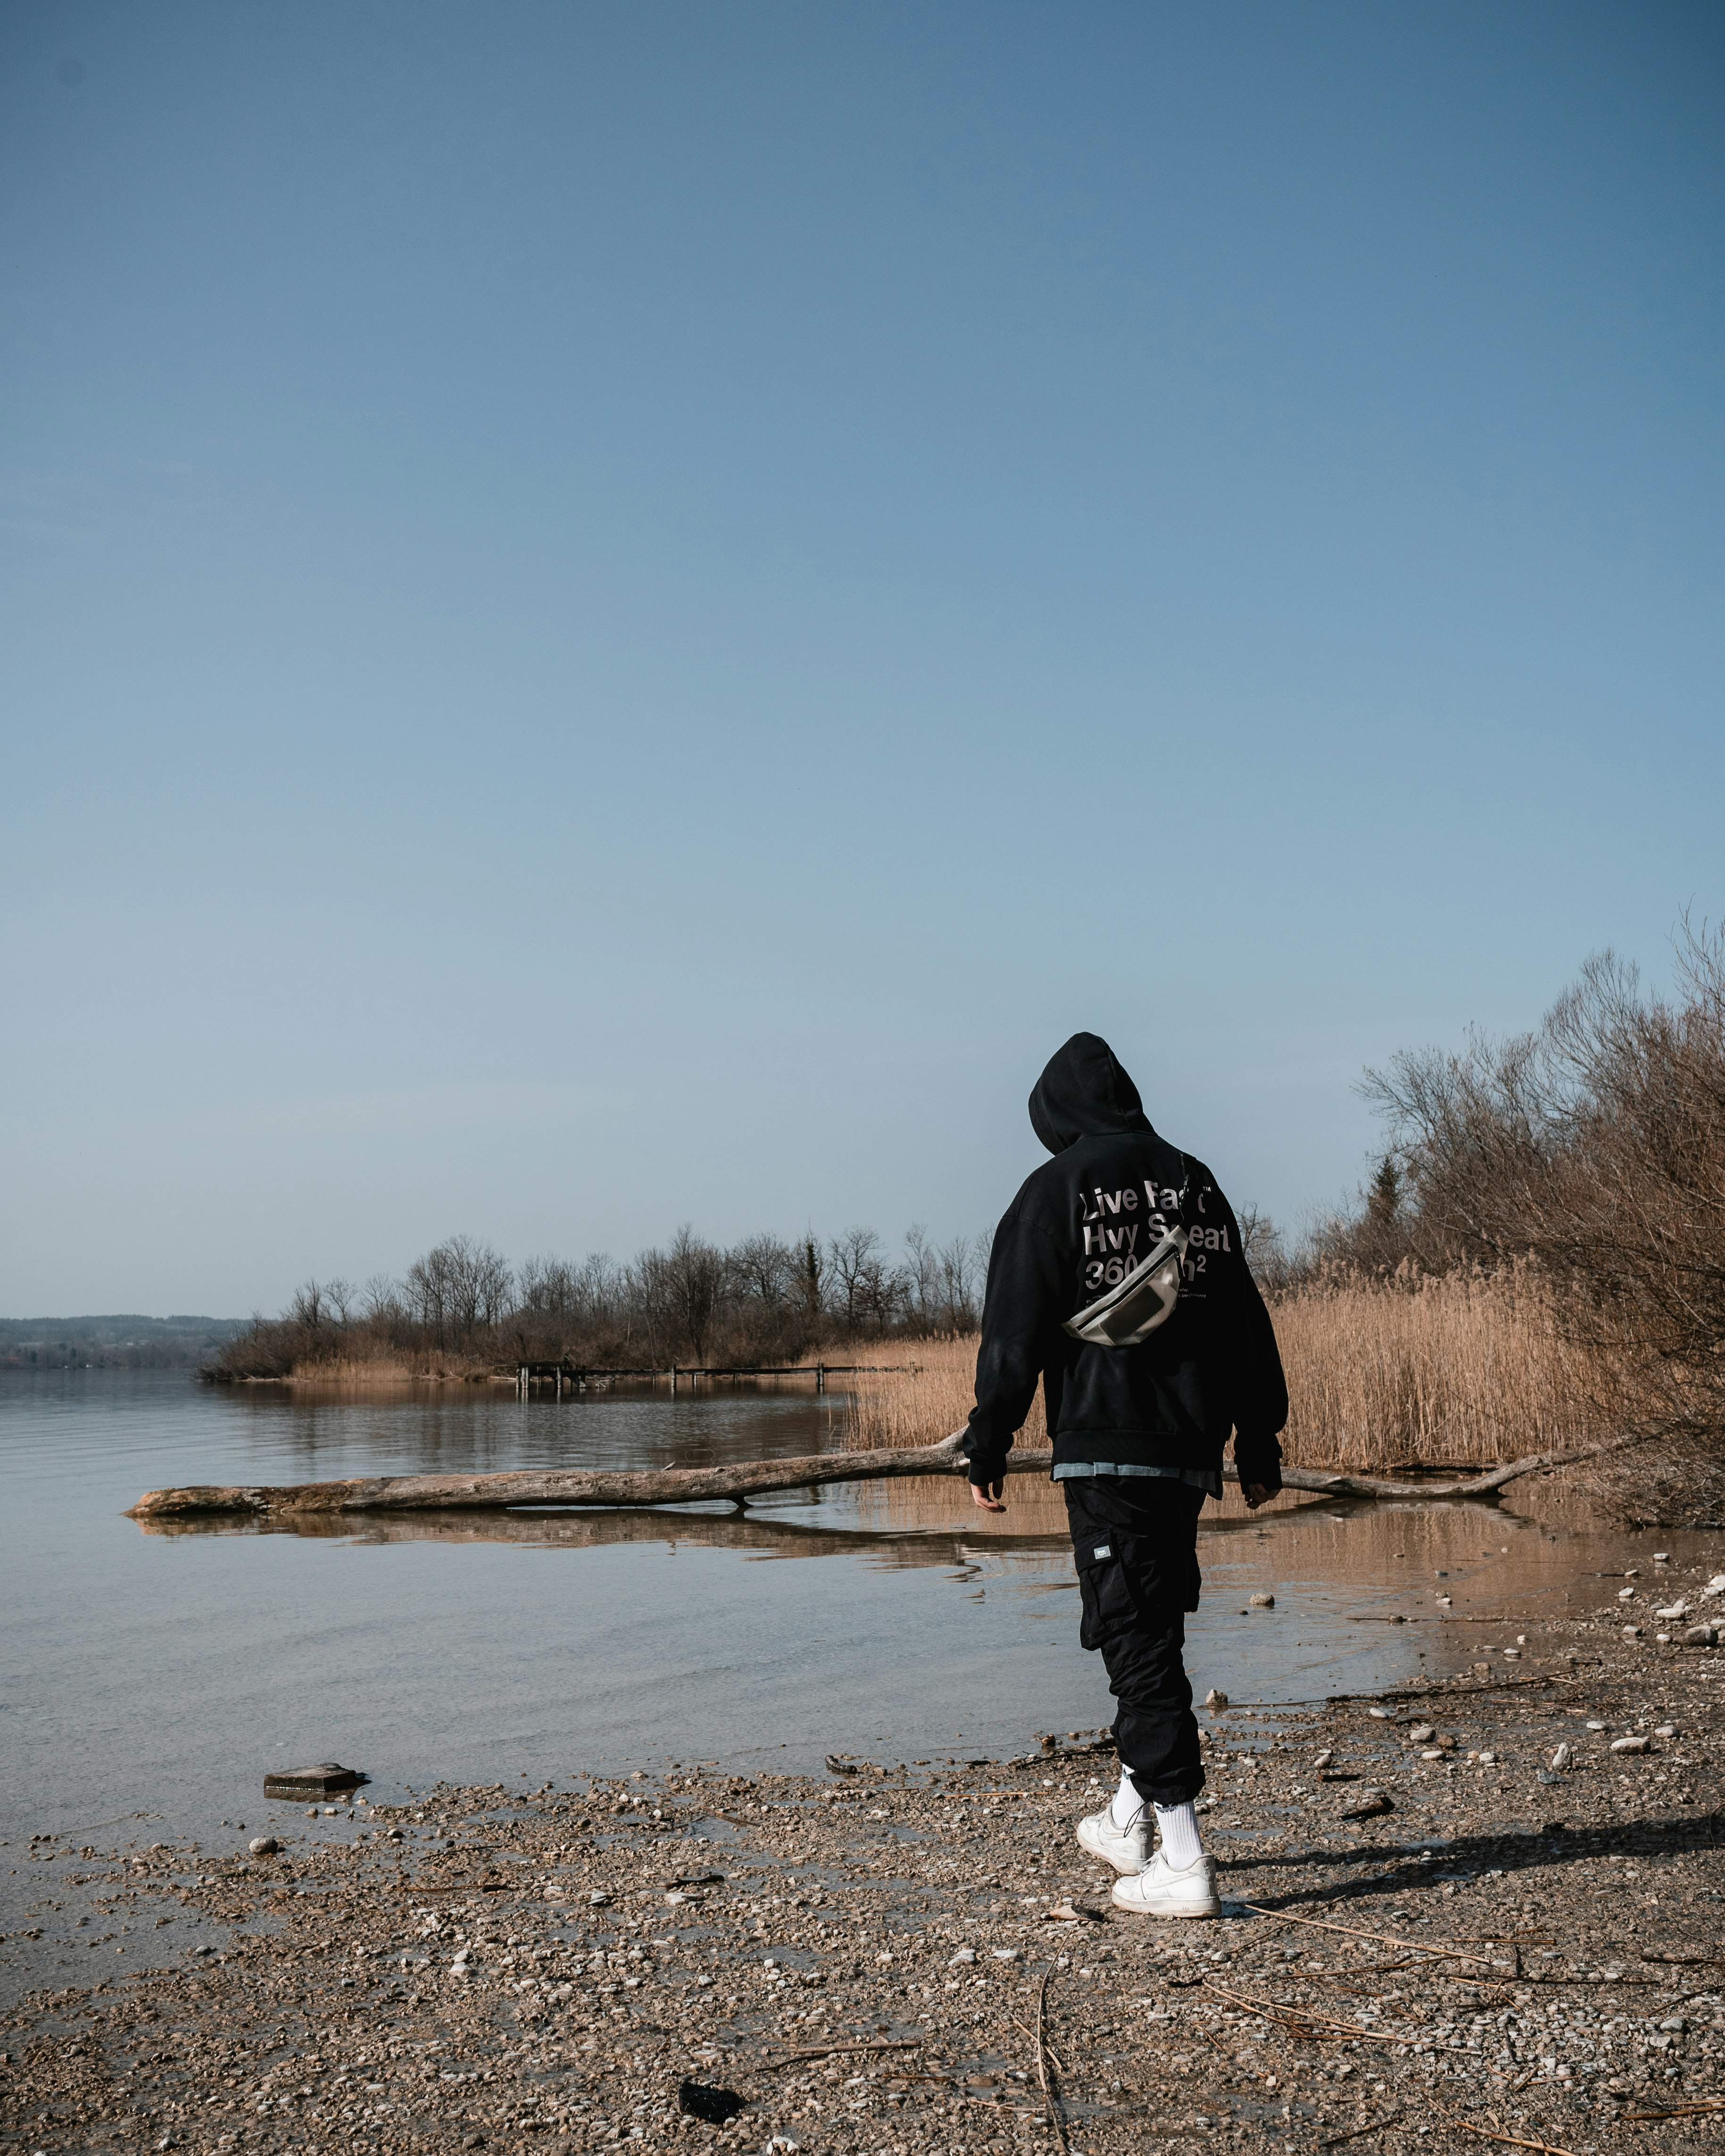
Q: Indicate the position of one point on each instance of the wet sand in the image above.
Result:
(859, 1957)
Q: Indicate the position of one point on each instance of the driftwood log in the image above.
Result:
(751, 1478)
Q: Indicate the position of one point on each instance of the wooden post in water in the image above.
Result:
(521, 1381)
(674, 1381)
(560, 1381)
(820, 1378)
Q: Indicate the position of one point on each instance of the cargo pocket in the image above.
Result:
(1105, 1591)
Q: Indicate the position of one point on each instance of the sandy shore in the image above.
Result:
(860, 1959)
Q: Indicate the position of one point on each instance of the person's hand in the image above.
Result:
(988, 1495)
(1255, 1494)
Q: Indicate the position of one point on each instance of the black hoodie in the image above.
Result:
(1112, 1189)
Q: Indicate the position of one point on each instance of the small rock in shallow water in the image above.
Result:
(320, 1781)
(1261, 1601)
(1215, 1701)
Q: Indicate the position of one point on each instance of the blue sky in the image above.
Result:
(617, 615)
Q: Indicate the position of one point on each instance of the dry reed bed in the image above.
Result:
(1447, 1370)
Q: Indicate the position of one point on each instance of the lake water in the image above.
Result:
(152, 1676)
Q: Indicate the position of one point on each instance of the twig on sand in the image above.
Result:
(1324, 2028)
(1056, 2119)
(1054, 2060)
(1679, 2110)
(827, 2051)
(1492, 2133)
(1382, 1938)
(1354, 2133)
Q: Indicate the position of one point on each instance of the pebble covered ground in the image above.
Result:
(1510, 1891)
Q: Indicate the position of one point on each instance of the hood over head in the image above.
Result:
(1084, 1094)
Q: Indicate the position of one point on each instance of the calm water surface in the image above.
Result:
(151, 1677)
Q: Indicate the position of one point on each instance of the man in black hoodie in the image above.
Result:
(1118, 1279)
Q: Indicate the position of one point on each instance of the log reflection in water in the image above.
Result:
(750, 1532)
(922, 1522)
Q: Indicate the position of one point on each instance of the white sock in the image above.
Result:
(1178, 1825)
(1126, 1803)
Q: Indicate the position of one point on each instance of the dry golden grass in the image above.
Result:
(1448, 1370)
(923, 1406)
(383, 1369)
(1459, 1368)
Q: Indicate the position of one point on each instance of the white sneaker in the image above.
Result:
(1127, 1849)
(1160, 1891)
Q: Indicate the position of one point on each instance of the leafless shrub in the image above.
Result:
(1265, 1251)
(1595, 1147)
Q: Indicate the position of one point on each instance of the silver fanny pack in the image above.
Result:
(1132, 1310)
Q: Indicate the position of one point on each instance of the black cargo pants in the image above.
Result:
(1135, 1542)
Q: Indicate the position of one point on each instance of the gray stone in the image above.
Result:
(266, 1845)
(326, 1780)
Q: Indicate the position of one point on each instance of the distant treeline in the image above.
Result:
(463, 1305)
(126, 1342)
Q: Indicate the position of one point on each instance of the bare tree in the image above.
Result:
(681, 1288)
(459, 1288)
(962, 1262)
(380, 1300)
(852, 1258)
(922, 1274)
(1264, 1250)
(309, 1308)
(763, 1270)
(548, 1287)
